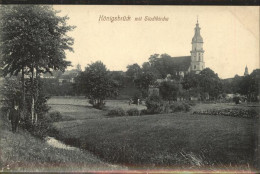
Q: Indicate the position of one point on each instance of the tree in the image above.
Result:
(96, 84)
(133, 71)
(190, 80)
(248, 85)
(169, 90)
(118, 77)
(33, 40)
(254, 89)
(210, 83)
(143, 81)
(207, 82)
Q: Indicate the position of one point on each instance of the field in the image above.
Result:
(166, 140)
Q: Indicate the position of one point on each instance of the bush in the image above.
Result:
(154, 104)
(234, 112)
(191, 102)
(55, 116)
(236, 100)
(133, 112)
(180, 106)
(116, 112)
(143, 112)
(40, 129)
(137, 96)
(96, 104)
(166, 108)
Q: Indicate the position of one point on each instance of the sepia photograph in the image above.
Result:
(129, 89)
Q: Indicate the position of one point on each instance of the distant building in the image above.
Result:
(246, 71)
(69, 76)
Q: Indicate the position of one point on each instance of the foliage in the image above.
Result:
(133, 112)
(33, 37)
(55, 116)
(236, 99)
(33, 40)
(180, 106)
(169, 90)
(234, 112)
(244, 85)
(154, 104)
(210, 83)
(133, 71)
(53, 88)
(207, 82)
(11, 92)
(143, 81)
(116, 112)
(144, 112)
(96, 84)
(249, 85)
(119, 78)
(137, 95)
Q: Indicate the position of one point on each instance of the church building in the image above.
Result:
(194, 62)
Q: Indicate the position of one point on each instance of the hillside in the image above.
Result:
(23, 152)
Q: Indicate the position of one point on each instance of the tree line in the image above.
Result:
(33, 41)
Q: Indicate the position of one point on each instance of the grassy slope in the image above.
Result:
(180, 139)
(23, 152)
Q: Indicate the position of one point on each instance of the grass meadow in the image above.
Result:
(25, 153)
(178, 140)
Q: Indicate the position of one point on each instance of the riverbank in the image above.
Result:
(23, 152)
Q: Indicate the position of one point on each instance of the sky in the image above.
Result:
(230, 34)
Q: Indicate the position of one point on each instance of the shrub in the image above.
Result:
(133, 112)
(166, 108)
(234, 112)
(180, 106)
(116, 112)
(40, 129)
(191, 102)
(55, 116)
(137, 96)
(154, 104)
(97, 105)
(236, 100)
(143, 112)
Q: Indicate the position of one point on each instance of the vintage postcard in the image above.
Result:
(122, 89)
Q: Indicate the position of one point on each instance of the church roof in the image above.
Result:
(182, 63)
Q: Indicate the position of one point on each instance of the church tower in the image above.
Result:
(197, 52)
(246, 71)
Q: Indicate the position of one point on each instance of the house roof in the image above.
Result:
(182, 63)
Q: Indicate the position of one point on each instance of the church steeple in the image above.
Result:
(246, 71)
(197, 37)
(197, 52)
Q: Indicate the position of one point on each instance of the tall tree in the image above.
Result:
(133, 71)
(143, 81)
(210, 83)
(33, 40)
(97, 84)
(169, 90)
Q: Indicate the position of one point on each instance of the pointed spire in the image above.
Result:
(197, 37)
(246, 71)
